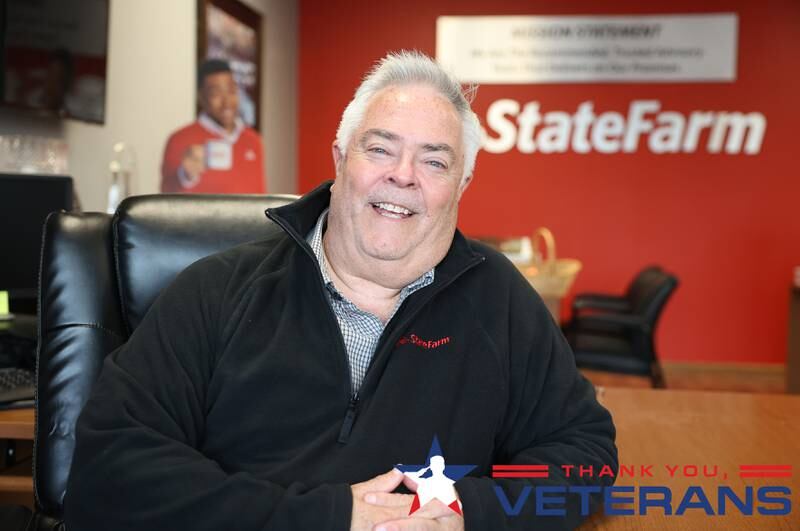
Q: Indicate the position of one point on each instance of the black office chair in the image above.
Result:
(618, 336)
(99, 275)
(591, 302)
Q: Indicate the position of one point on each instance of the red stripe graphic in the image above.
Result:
(520, 471)
(765, 471)
(520, 467)
(520, 474)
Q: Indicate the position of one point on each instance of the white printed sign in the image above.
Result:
(575, 49)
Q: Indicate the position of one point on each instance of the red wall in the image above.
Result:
(727, 225)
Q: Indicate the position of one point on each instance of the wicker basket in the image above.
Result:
(550, 276)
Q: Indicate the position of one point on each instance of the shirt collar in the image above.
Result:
(210, 125)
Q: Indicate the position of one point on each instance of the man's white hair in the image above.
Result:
(409, 68)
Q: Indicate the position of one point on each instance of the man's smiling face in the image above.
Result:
(398, 184)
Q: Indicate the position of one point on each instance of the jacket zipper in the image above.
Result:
(352, 407)
(349, 419)
(353, 396)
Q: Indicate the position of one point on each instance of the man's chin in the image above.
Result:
(227, 124)
(388, 255)
(393, 250)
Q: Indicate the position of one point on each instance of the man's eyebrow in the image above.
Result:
(440, 147)
(383, 133)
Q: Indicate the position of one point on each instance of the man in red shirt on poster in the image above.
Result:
(217, 153)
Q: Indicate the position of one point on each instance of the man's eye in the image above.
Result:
(378, 150)
(437, 164)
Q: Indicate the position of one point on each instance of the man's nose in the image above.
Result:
(404, 173)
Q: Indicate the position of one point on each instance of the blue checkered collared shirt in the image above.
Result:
(360, 330)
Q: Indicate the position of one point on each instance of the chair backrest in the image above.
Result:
(157, 236)
(640, 282)
(98, 277)
(652, 295)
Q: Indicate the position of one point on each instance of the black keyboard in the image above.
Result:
(17, 351)
(16, 386)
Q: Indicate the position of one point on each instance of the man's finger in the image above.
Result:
(385, 482)
(448, 523)
(408, 524)
(386, 499)
(434, 509)
(409, 483)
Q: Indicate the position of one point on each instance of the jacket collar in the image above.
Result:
(298, 218)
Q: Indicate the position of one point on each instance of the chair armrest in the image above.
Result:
(597, 301)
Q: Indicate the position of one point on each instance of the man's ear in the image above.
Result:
(338, 157)
(463, 186)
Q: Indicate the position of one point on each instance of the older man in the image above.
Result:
(276, 385)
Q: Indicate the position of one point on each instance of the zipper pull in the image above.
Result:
(349, 419)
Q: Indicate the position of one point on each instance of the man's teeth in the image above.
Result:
(394, 208)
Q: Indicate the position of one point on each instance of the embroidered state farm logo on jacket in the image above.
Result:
(417, 341)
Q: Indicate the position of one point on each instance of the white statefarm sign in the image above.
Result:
(575, 49)
(646, 126)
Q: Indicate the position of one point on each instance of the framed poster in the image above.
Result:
(229, 30)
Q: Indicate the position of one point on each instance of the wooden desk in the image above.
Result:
(662, 427)
(16, 485)
(17, 424)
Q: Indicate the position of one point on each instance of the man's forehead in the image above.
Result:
(218, 78)
(425, 104)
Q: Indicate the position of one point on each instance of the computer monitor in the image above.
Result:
(25, 202)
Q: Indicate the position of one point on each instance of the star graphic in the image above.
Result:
(435, 479)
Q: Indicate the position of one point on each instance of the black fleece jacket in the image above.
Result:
(230, 405)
